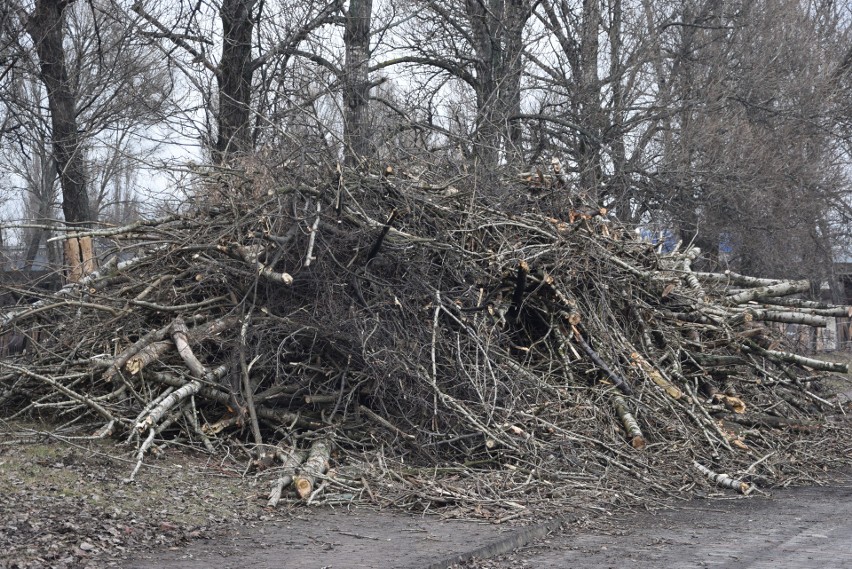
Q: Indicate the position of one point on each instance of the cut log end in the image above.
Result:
(315, 466)
(304, 486)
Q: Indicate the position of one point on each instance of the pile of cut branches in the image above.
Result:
(391, 340)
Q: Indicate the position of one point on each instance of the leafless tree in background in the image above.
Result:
(480, 45)
(748, 153)
(46, 26)
(239, 60)
(114, 88)
(726, 121)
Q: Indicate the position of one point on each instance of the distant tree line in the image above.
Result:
(722, 120)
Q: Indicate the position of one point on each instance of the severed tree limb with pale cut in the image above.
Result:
(789, 357)
(290, 462)
(780, 289)
(631, 427)
(724, 480)
(788, 317)
(315, 466)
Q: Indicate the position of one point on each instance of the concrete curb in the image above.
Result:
(505, 544)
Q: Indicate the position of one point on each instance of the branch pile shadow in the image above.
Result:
(393, 340)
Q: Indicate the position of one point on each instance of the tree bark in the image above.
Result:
(497, 35)
(45, 26)
(315, 466)
(589, 98)
(517, 14)
(356, 82)
(487, 50)
(234, 78)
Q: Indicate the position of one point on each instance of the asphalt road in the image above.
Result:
(801, 528)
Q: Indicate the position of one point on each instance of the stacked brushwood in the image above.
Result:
(387, 339)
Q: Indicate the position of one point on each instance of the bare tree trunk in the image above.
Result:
(356, 82)
(497, 35)
(45, 26)
(41, 199)
(619, 187)
(518, 12)
(488, 54)
(589, 100)
(234, 76)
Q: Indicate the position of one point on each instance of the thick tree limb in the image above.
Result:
(637, 440)
(315, 466)
(724, 480)
(781, 289)
(791, 358)
(289, 463)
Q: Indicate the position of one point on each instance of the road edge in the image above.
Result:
(505, 544)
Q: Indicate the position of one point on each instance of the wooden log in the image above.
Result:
(781, 289)
(723, 480)
(150, 353)
(315, 466)
(184, 391)
(637, 441)
(749, 346)
(788, 317)
(166, 404)
(180, 335)
(290, 461)
(730, 277)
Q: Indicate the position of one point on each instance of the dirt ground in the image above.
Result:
(64, 503)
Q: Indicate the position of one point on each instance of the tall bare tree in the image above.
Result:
(356, 81)
(239, 60)
(479, 43)
(45, 25)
